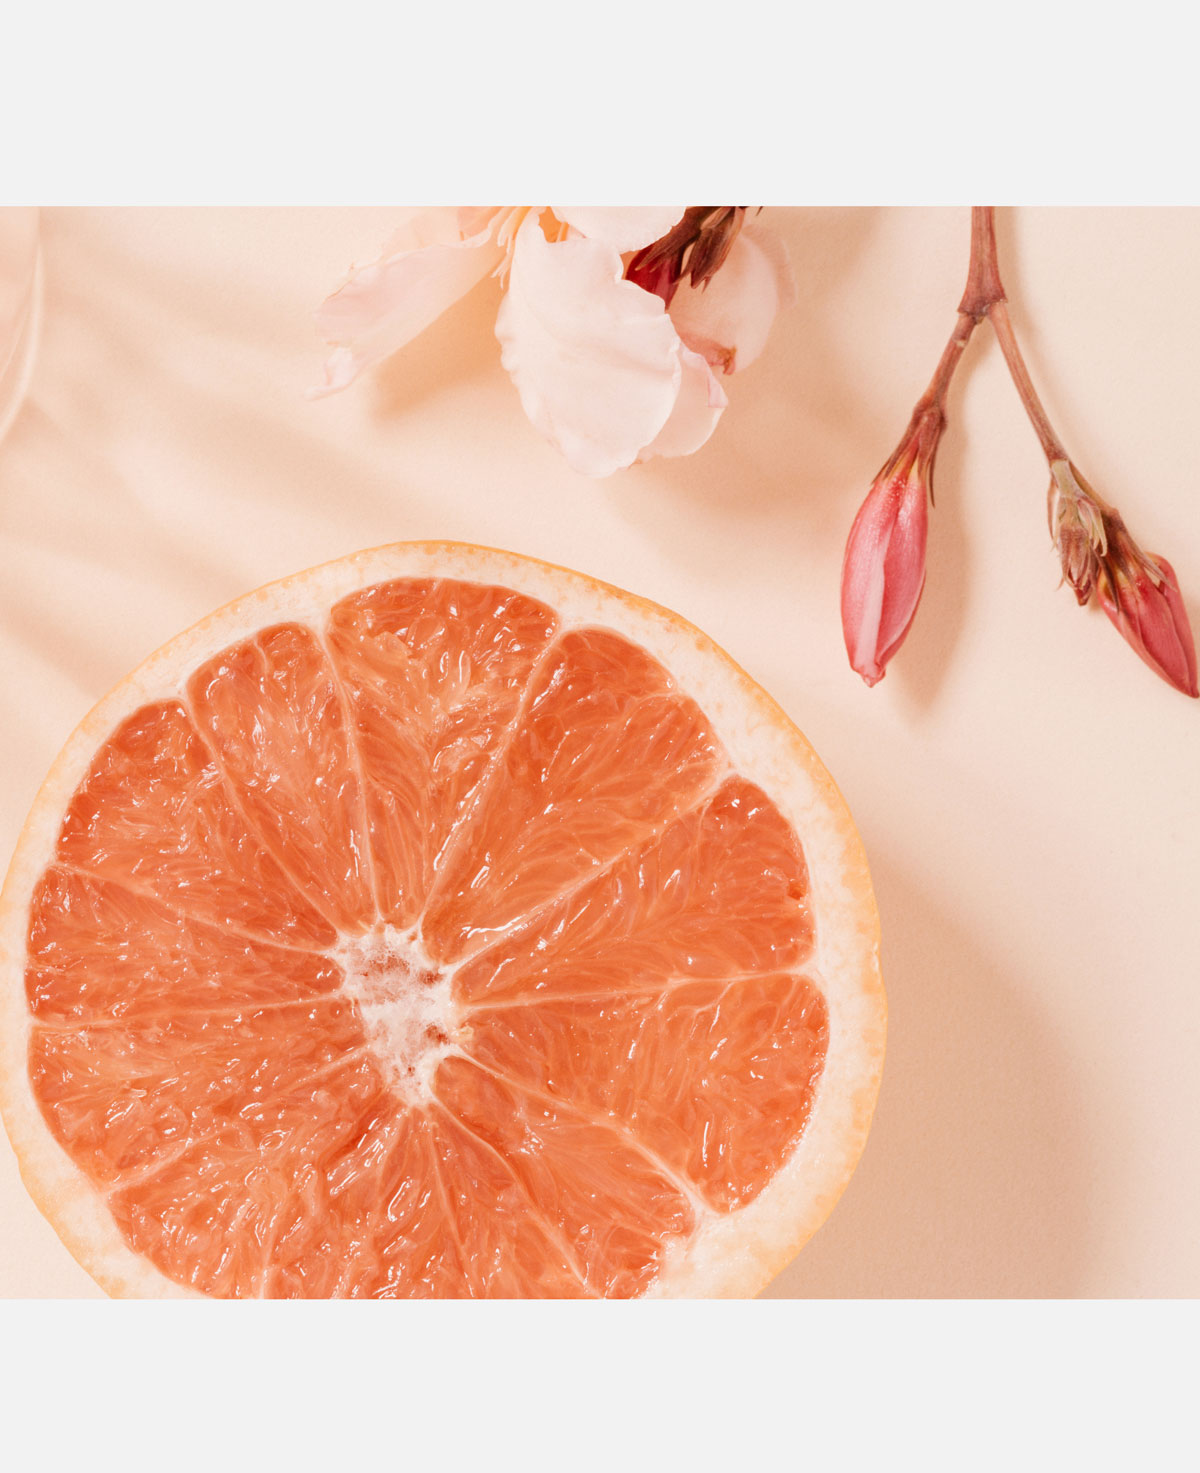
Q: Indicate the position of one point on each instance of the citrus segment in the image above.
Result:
(715, 1079)
(607, 750)
(442, 935)
(155, 812)
(122, 1096)
(270, 710)
(208, 1216)
(418, 1207)
(569, 1164)
(435, 673)
(101, 952)
(721, 892)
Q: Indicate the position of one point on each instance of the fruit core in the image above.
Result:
(409, 1016)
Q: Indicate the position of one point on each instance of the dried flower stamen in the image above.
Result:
(695, 249)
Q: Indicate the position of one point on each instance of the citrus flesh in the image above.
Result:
(459, 928)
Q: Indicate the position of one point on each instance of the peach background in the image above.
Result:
(1028, 792)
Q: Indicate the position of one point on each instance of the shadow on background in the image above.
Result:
(459, 345)
(798, 432)
(975, 1180)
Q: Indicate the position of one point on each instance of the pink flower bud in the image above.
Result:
(1140, 594)
(883, 572)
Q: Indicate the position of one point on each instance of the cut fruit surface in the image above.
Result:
(438, 923)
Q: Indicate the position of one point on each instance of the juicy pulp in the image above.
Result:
(438, 951)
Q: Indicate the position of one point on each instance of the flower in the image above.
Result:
(883, 571)
(609, 368)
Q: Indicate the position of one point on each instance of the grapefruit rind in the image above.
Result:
(730, 1254)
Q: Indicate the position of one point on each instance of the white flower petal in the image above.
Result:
(425, 268)
(699, 406)
(624, 227)
(729, 318)
(594, 358)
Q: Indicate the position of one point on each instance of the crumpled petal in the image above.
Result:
(623, 227)
(729, 318)
(594, 358)
(700, 404)
(424, 269)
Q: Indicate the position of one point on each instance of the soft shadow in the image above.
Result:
(976, 1181)
(799, 437)
(245, 316)
(774, 491)
(457, 347)
(191, 412)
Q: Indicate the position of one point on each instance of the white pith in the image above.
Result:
(408, 1010)
(729, 1254)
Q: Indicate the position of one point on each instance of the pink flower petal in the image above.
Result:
(594, 358)
(425, 268)
(623, 227)
(699, 406)
(728, 319)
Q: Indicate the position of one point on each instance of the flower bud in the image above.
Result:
(883, 572)
(1077, 527)
(1140, 594)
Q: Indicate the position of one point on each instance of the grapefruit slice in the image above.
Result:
(438, 922)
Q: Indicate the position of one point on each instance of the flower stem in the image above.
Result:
(984, 287)
(1051, 444)
(982, 292)
(935, 395)
(984, 297)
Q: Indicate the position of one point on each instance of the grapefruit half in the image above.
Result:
(438, 923)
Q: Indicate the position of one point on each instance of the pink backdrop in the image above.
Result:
(1028, 792)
